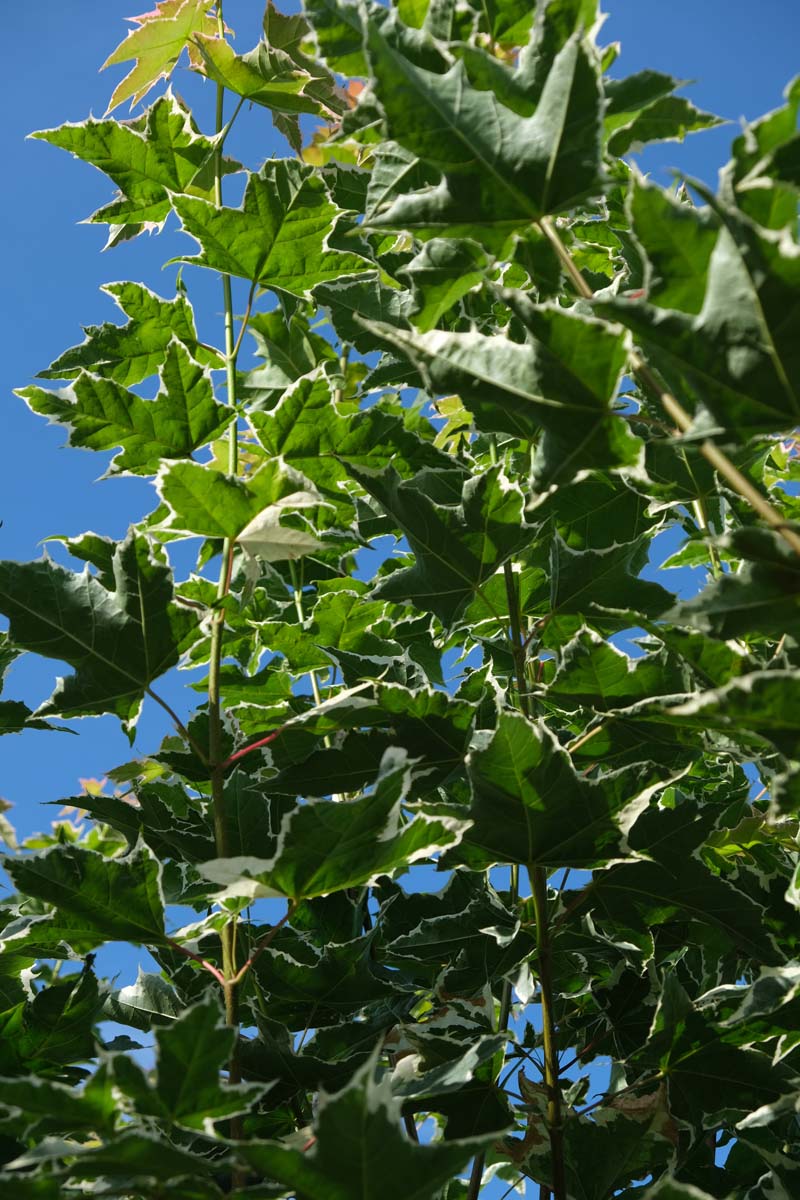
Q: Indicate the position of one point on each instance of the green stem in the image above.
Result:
(701, 519)
(179, 725)
(518, 643)
(297, 589)
(538, 878)
(505, 1003)
(216, 755)
(518, 652)
(677, 413)
(344, 358)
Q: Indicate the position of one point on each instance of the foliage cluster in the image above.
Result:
(537, 361)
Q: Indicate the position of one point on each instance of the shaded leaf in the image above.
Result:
(530, 805)
(360, 1152)
(327, 845)
(97, 898)
(118, 641)
(520, 168)
(459, 537)
(147, 1002)
(736, 357)
(187, 1087)
(566, 374)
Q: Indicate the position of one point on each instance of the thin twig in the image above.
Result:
(238, 754)
(263, 943)
(212, 970)
(590, 1045)
(586, 737)
(606, 1096)
(179, 725)
(576, 903)
(245, 318)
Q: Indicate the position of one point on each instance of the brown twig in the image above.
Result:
(212, 970)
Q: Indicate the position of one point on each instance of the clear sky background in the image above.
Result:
(738, 54)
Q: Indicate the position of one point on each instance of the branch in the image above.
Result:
(263, 943)
(245, 319)
(538, 877)
(212, 970)
(264, 741)
(710, 452)
(179, 725)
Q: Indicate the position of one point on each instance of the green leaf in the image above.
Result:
(204, 501)
(758, 705)
(327, 845)
(285, 81)
(677, 883)
(139, 1159)
(736, 357)
(707, 1079)
(530, 805)
(101, 414)
(187, 1087)
(672, 1189)
(593, 672)
(289, 349)
(129, 353)
(621, 1146)
(156, 45)
(281, 235)
(459, 537)
(763, 596)
(678, 240)
(318, 437)
(147, 1002)
(444, 270)
(328, 985)
(642, 109)
(597, 581)
(97, 898)
(564, 378)
(354, 302)
(118, 640)
(148, 158)
(515, 168)
(16, 716)
(339, 34)
(762, 177)
(360, 1152)
(44, 1107)
(54, 1029)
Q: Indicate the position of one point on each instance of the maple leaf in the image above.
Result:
(156, 45)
